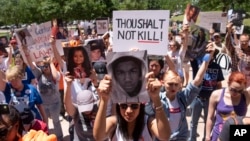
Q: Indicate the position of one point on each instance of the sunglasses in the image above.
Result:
(236, 91)
(132, 106)
(43, 67)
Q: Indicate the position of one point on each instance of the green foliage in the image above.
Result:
(29, 11)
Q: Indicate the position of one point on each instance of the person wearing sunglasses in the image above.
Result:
(175, 100)
(130, 121)
(48, 78)
(10, 124)
(227, 102)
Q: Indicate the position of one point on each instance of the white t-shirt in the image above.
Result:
(144, 137)
(175, 114)
(4, 63)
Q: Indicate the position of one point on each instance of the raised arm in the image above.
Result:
(2, 81)
(56, 53)
(26, 53)
(170, 63)
(103, 127)
(159, 125)
(202, 70)
(67, 96)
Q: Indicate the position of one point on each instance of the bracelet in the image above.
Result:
(158, 108)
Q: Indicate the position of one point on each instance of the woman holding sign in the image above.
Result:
(128, 124)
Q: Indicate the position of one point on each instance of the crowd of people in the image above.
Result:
(81, 86)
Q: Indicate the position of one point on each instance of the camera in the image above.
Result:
(4, 109)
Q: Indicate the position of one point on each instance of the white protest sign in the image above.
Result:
(41, 34)
(142, 29)
(214, 20)
(102, 25)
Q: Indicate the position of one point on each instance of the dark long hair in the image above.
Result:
(86, 63)
(13, 117)
(123, 125)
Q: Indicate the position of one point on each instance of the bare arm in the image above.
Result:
(170, 63)
(42, 112)
(159, 126)
(71, 110)
(56, 53)
(202, 70)
(211, 111)
(2, 81)
(26, 53)
(54, 72)
(103, 127)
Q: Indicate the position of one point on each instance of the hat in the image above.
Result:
(216, 34)
(85, 101)
(100, 69)
(27, 116)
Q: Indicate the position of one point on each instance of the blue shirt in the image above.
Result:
(29, 97)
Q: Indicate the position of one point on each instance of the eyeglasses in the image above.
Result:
(132, 106)
(236, 91)
(216, 37)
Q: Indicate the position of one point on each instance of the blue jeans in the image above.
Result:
(196, 108)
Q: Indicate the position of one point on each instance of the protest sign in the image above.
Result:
(144, 29)
(102, 25)
(191, 14)
(4, 41)
(127, 70)
(36, 38)
(213, 20)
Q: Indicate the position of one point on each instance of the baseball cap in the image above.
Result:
(85, 101)
(100, 69)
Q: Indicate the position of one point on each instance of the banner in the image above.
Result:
(142, 29)
(213, 20)
(102, 25)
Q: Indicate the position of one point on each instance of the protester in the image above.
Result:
(10, 124)
(48, 78)
(83, 111)
(239, 53)
(28, 76)
(238, 120)
(211, 81)
(156, 65)
(29, 122)
(176, 101)
(22, 95)
(130, 123)
(226, 102)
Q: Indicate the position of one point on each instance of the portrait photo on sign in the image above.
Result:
(24, 37)
(127, 70)
(191, 14)
(97, 48)
(216, 27)
(4, 41)
(78, 61)
(197, 42)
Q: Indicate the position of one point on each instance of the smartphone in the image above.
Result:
(4, 109)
